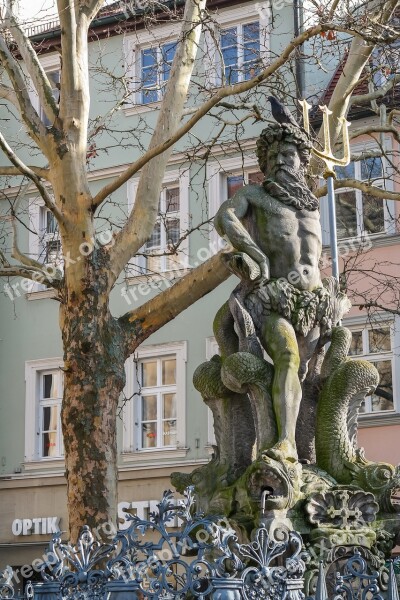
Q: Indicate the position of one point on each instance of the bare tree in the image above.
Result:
(64, 138)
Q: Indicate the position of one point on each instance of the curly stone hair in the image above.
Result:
(285, 132)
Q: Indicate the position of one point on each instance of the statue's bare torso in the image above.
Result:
(289, 239)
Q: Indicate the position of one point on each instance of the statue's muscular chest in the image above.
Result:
(274, 223)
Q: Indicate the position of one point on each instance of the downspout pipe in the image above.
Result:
(298, 22)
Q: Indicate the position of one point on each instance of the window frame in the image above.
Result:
(157, 390)
(34, 369)
(133, 45)
(225, 19)
(217, 191)
(50, 63)
(358, 323)
(161, 81)
(374, 357)
(37, 241)
(48, 237)
(45, 403)
(172, 179)
(131, 423)
(388, 205)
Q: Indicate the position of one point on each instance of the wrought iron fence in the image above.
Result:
(202, 558)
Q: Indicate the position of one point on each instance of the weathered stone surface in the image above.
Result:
(276, 414)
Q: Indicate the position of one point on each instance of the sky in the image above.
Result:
(34, 10)
(37, 8)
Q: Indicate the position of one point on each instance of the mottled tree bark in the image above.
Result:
(94, 356)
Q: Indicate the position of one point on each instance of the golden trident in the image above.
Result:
(329, 174)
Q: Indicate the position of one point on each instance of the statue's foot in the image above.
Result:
(283, 450)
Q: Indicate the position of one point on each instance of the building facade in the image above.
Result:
(164, 426)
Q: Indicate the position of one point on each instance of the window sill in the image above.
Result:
(379, 240)
(47, 467)
(158, 277)
(379, 419)
(138, 109)
(140, 457)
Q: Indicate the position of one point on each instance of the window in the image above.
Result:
(158, 255)
(225, 178)
(50, 244)
(44, 391)
(237, 49)
(235, 182)
(54, 79)
(375, 345)
(240, 51)
(358, 213)
(50, 396)
(157, 403)
(52, 67)
(155, 67)
(154, 419)
(165, 235)
(148, 57)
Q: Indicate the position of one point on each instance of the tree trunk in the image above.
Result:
(94, 356)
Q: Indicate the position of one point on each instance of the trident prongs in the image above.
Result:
(326, 155)
(306, 107)
(330, 161)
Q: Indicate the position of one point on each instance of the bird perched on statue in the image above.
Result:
(280, 113)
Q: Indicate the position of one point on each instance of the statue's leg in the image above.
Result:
(280, 342)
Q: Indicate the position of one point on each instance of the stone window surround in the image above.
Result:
(181, 179)
(131, 432)
(217, 174)
(33, 369)
(357, 323)
(389, 207)
(133, 45)
(231, 17)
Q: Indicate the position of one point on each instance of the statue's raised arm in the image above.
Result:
(229, 224)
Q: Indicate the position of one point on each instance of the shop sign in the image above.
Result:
(36, 526)
(141, 509)
(49, 525)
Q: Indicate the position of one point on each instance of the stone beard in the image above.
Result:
(295, 192)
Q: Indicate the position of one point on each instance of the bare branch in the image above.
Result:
(358, 57)
(69, 74)
(34, 67)
(35, 127)
(223, 92)
(90, 8)
(16, 252)
(376, 94)
(13, 171)
(370, 129)
(37, 275)
(24, 170)
(140, 323)
(360, 185)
